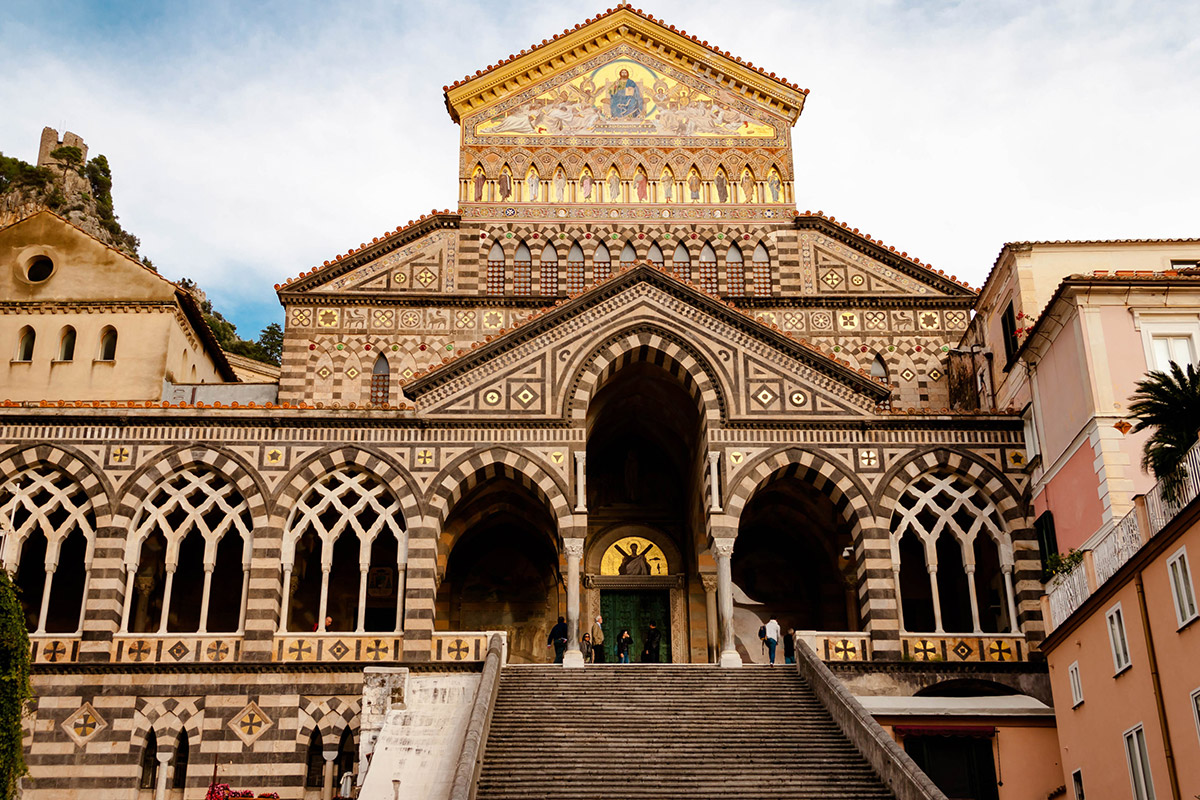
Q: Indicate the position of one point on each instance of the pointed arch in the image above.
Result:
(522, 270)
(108, 344)
(879, 368)
(495, 268)
(735, 271)
(601, 263)
(760, 272)
(576, 269)
(381, 380)
(461, 476)
(628, 255)
(548, 273)
(25, 344)
(681, 262)
(708, 269)
(655, 255)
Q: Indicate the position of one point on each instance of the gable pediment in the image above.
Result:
(535, 371)
(620, 93)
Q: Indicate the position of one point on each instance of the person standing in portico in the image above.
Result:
(558, 639)
(772, 638)
(598, 639)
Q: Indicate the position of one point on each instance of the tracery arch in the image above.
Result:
(708, 269)
(601, 263)
(329, 541)
(681, 262)
(51, 534)
(760, 283)
(941, 517)
(193, 530)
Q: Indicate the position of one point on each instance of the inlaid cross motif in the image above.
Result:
(925, 649)
(458, 651)
(1000, 651)
(54, 651)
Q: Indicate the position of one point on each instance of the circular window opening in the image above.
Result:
(39, 269)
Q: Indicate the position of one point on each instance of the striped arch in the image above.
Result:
(457, 479)
(76, 465)
(229, 465)
(386, 470)
(848, 494)
(647, 343)
(167, 718)
(328, 716)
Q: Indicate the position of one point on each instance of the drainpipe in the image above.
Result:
(1157, 683)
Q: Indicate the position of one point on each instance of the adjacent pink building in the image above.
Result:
(1063, 332)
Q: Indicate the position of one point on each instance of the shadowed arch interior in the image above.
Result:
(502, 569)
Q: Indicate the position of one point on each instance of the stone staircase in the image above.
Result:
(618, 732)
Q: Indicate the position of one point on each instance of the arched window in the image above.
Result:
(66, 345)
(681, 262)
(522, 270)
(549, 271)
(148, 778)
(314, 773)
(575, 269)
(966, 553)
(879, 368)
(708, 269)
(628, 255)
(762, 271)
(495, 269)
(49, 522)
(381, 378)
(108, 345)
(345, 758)
(179, 771)
(655, 255)
(735, 271)
(329, 554)
(601, 264)
(25, 344)
(192, 543)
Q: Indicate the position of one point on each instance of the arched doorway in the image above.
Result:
(502, 571)
(793, 560)
(643, 482)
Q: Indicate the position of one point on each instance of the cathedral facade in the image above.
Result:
(626, 378)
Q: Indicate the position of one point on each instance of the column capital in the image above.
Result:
(573, 548)
(722, 548)
(709, 581)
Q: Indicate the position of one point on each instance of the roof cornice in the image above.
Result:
(605, 31)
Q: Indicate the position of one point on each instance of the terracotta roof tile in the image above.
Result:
(643, 15)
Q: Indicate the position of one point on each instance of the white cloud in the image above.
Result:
(245, 150)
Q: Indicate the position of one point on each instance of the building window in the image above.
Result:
(549, 271)
(708, 269)
(25, 344)
(380, 379)
(314, 771)
(681, 262)
(1196, 709)
(40, 268)
(655, 256)
(66, 347)
(108, 345)
(961, 766)
(495, 269)
(601, 264)
(1047, 538)
(148, 779)
(179, 773)
(628, 256)
(762, 271)
(1139, 764)
(1181, 587)
(1008, 324)
(522, 270)
(1076, 684)
(1116, 638)
(735, 272)
(1077, 782)
(1169, 348)
(575, 269)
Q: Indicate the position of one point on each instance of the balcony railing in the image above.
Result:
(1068, 591)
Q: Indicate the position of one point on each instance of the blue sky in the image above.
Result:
(251, 141)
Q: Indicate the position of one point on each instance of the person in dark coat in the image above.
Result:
(653, 640)
(585, 647)
(789, 647)
(624, 642)
(558, 640)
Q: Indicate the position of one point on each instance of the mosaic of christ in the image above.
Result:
(624, 97)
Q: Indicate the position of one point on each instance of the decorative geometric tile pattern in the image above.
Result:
(84, 724)
(327, 318)
(250, 723)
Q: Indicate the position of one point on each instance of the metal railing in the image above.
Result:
(1121, 543)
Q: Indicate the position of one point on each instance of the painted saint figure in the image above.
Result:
(505, 186)
(773, 185)
(585, 185)
(533, 184)
(722, 188)
(668, 186)
(694, 186)
(479, 181)
(625, 98)
(747, 187)
(560, 185)
(633, 562)
(614, 187)
(642, 185)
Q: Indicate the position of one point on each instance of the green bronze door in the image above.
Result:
(635, 610)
